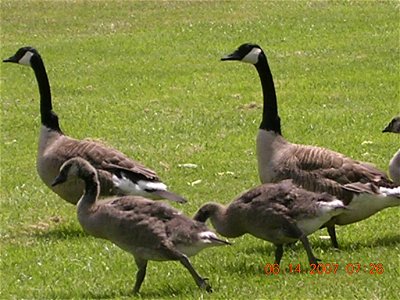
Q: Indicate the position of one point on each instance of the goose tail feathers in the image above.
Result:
(169, 196)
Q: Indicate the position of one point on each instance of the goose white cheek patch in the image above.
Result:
(26, 59)
(252, 56)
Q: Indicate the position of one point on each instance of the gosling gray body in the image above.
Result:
(147, 229)
(280, 213)
(118, 174)
(314, 168)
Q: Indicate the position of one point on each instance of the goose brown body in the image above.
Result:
(118, 174)
(147, 229)
(315, 168)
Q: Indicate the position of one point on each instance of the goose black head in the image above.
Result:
(246, 53)
(74, 167)
(23, 56)
(393, 126)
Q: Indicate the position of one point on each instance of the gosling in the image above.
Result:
(147, 229)
(280, 213)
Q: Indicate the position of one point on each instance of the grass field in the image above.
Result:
(145, 77)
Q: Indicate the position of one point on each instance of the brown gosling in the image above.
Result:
(118, 174)
(314, 168)
(394, 164)
(280, 213)
(147, 229)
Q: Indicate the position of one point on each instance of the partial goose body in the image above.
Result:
(394, 164)
(147, 229)
(314, 168)
(276, 212)
(118, 174)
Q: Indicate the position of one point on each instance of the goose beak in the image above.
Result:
(11, 59)
(387, 128)
(58, 180)
(233, 56)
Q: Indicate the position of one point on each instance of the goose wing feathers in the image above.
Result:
(283, 199)
(152, 220)
(318, 169)
(103, 158)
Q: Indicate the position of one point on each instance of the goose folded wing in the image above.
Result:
(333, 165)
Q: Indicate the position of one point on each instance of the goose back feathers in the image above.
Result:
(118, 174)
(314, 168)
(147, 229)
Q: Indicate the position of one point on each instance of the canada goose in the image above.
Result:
(147, 229)
(118, 174)
(314, 168)
(394, 164)
(277, 212)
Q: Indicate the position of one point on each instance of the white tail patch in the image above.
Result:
(390, 191)
(140, 188)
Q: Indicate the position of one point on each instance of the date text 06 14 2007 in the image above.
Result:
(327, 268)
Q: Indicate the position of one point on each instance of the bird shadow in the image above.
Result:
(378, 242)
(127, 293)
(60, 233)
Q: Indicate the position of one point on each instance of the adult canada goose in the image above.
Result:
(315, 168)
(280, 213)
(394, 164)
(118, 174)
(147, 229)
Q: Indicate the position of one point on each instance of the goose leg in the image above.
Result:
(141, 273)
(332, 234)
(293, 231)
(311, 258)
(201, 282)
(278, 254)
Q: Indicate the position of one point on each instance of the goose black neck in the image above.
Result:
(48, 117)
(270, 117)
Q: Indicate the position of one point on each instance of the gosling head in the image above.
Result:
(208, 210)
(393, 126)
(247, 52)
(23, 56)
(75, 167)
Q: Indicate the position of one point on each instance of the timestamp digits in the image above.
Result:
(325, 268)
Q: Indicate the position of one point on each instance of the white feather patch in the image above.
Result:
(207, 236)
(139, 188)
(26, 59)
(390, 191)
(252, 56)
(151, 185)
(330, 207)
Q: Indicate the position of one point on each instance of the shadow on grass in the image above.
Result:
(121, 294)
(60, 233)
(379, 242)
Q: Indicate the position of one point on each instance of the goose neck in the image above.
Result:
(91, 193)
(270, 117)
(223, 222)
(48, 117)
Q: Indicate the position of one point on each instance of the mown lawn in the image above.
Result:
(145, 77)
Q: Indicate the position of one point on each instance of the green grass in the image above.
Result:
(146, 78)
